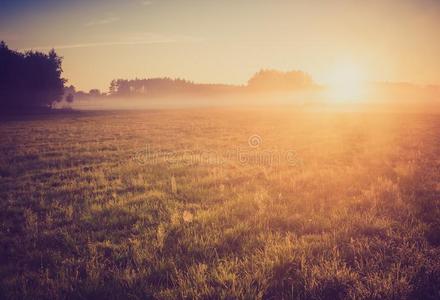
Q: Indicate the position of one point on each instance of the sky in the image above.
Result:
(228, 41)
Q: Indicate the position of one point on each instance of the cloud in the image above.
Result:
(146, 2)
(103, 21)
(130, 39)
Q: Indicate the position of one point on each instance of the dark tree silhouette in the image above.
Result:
(263, 81)
(154, 87)
(30, 80)
(69, 93)
(95, 93)
(69, 98)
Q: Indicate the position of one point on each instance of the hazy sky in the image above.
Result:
(227, 41)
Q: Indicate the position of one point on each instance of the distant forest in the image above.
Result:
(263, 81)
(33, 80)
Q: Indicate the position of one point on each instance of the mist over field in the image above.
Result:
(382, 97)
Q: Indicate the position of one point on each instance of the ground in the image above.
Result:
(220, 203)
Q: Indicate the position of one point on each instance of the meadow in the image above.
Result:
(220, 204)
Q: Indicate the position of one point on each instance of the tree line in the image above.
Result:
(32, 81)
(264, 80)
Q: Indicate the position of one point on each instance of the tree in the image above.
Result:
(30, 80)
(95, 93)
(69, 98)
(69, 93)
(273, 80)
(113, 87)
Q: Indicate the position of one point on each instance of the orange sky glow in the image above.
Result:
(228, 41)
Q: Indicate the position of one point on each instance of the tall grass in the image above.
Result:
(86, 214)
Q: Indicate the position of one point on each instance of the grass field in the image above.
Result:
(203, 204)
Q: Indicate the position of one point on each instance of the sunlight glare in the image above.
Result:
(346, 83)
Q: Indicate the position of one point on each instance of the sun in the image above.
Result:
(346, 83)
